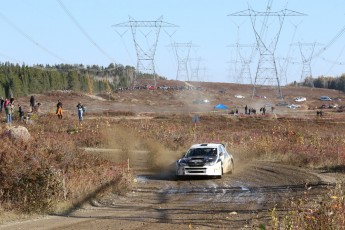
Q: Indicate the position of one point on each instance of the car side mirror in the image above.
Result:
(221, 154)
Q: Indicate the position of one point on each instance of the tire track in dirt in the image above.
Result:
(159, 201)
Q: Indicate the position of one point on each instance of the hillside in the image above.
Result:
(175, 99)
(118, 164)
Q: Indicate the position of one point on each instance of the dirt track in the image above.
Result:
(159, 201)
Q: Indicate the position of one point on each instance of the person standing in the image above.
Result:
(1, 104)
(80, 110)
(32, 103)
(59, 109)
(6, 103)
(21, 113)
(9, 110)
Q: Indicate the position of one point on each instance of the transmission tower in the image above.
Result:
(266, 73)
(233, 70)
(195, 68)
(145, 55)
(244, 75)
(307, 56)
(182, 51)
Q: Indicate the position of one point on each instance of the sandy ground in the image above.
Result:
(160, 201)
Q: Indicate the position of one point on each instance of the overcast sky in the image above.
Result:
(82, 32)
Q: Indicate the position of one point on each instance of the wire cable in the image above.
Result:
(30, 38)
(84, 32)
(126, 48)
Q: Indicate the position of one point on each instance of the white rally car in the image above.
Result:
(208, 159)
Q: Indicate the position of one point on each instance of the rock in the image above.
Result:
(19, 133)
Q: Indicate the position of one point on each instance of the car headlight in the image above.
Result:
(181, 163)
(210, 163)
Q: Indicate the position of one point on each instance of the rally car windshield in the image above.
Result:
(200, 152)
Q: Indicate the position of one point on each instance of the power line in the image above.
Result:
(334, 39)
(84, 32)
(124, 44)
(30, 38)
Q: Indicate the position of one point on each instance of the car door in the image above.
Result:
(224, 158)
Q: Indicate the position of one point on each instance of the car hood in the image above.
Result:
(197, 161)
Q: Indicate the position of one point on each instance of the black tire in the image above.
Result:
(232, 168)
(220, 176)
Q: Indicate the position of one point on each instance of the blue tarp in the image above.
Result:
(221, 106)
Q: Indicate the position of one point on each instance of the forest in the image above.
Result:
(22, 80)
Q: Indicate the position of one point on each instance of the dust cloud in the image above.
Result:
(143, 154)
(243, 159)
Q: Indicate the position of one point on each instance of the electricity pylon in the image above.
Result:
(145, 55)
(195, 68)
(182, 51)
(245, 75)
(307, 56)
(266, 72)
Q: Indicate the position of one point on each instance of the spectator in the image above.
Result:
(32, 103)
(6, 103)
(9, 110)
(1, 104)
(319, 113)
(21, 113)
(59, 109)
(81, 110)
(37, 108)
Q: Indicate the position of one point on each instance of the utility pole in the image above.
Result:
(145, 55)
(266, 73)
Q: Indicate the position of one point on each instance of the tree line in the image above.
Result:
(337, 83)
(21, 80)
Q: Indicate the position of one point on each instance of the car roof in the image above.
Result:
(205, 145)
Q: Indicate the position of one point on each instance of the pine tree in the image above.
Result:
(89, 84)
(72, 81)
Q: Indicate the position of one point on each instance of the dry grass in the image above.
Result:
(311, 143)
(316, 143)
(291, 137)
(326, 212)
(52, 167)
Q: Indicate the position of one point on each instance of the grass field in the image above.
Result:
(52, 171)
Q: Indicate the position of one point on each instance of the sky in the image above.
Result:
(198, 39)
